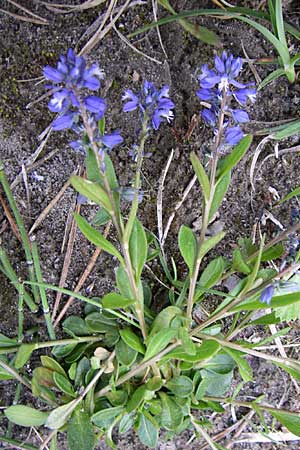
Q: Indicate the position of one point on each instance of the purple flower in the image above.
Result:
(239, 115)
(69, 78)
(219, 87)
(242, 95)
(111, 140)
(267, 294)
(209, 116)
(233, 135)
(64, 122)
(227, 69)
(95, 105)
(155, 103)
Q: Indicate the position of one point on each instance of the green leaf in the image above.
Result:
(230, 161)
(50, 363)
(75, 326)
(99, 323)
(26, 416)
(217, 384)
(123, 282)
(132, 340)
(93, 191)
(4, 375)
(276, 302)
(138, 248)
(171, 415)
(238, 264)
(243, 366)
(136, 398)
(147, 432)
(164, 318)
(201, 175)
(188, 246)
(125, 355)
(272, 253)
(287, 131)
(210, 243)
(126, 423)
(154, 384)
(159, 341)
(44, 376)
(101, 217)
(96, 238)
(294, 193)
(63, 384)
(23, 355)
(80, 432)
(289, 419)
(220, 192)
(92, 170)
(186, 342)
(115, 301)
(205, 351)
(59, 416)
(181, 386)
(212, 273)
(117, 398)
(6, 341)
(271, 77)
(105, 417)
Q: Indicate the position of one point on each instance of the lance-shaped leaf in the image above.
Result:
(96, 238)
(26, 416)
(113, 300)
(220, 192)
(138, 248)
(93, 192)
(80, 432)
(201, 175)
(235, 156)
(210, 243)
(188, 246)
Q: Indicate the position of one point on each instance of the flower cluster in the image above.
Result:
(155, 103)
(218, 86)
(70, 81)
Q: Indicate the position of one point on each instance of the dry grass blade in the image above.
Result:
(25, 179)
(30, 13)
(284, 151)
(270, 438)
(154, 9)
(257, 152)
(127, 42)
(177, 207)
(48, 208)
(159, 207)
(66, 264)
(10, 219)
(64, 8)
(83, 277)
(23, 18)
(100, 33)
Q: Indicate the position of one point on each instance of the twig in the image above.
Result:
(178, 206)
(48, 208)
(159, 207)
(10, 219)
(83, 277)
(66, 265)
(257, 152)
(44, 444)
(154, 9)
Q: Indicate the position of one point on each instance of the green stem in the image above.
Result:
(90, 301)
(14, 374)
(17, 444)
(249, 405)
(15, 402)
(20, 313)
(206, 212)
(116, 220)
(56, 343)
(21, 227)
(12, 276)
(37, 267)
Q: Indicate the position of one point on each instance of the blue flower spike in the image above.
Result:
(218, 88)
(155, 103)
(72, 79)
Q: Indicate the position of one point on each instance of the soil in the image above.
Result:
(25, 48)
